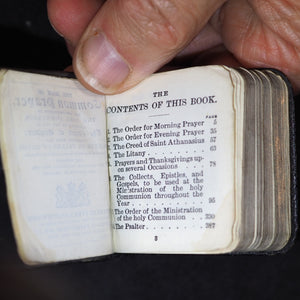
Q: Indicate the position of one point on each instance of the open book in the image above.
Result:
(189, 161)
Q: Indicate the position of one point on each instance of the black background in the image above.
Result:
(28, 41)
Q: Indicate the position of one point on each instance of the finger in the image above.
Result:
(264, 34)
(207, 38)
(70, 18)
(129, 39)
(217, 55)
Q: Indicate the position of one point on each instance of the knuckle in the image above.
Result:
(161, 22)
(282, 17)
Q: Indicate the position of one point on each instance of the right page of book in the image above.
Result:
(172, 162)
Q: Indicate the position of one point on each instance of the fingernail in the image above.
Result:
(54, 28)
(100, 65)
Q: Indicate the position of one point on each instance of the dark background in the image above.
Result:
(28, 41)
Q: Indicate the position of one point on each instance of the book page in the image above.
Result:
(53, 146)
(171, 156)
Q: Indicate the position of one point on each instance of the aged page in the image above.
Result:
(171, 156)
(53, 145)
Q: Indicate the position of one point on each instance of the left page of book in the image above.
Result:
(53, 148)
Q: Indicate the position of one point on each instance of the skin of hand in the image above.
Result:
(117, 43)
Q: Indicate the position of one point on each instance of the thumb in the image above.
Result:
(128, 40)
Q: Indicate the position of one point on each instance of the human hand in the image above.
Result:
(117, 43)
